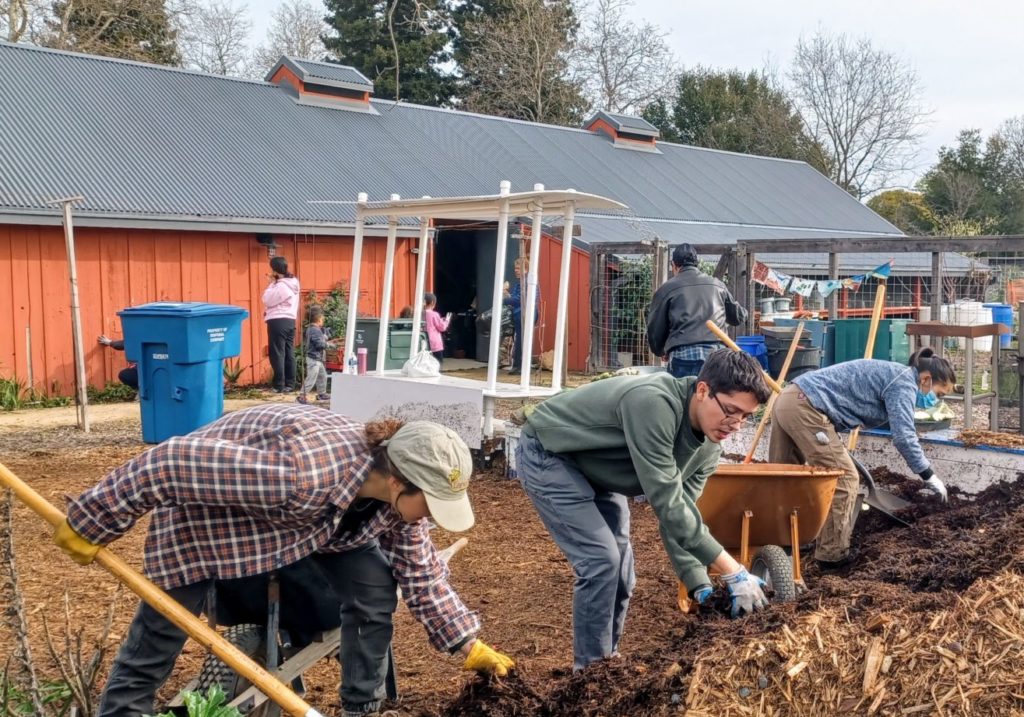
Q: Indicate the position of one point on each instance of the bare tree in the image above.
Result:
(15, 16)
(214, 37)
(518, 64)
(623, 66)
(862, 104)
(297, 29)
(130, 29)
(1011, 134)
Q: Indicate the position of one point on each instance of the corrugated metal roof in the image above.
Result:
(145, 141)
(332, 72)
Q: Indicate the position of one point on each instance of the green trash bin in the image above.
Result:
(850, 338)
(398, 346)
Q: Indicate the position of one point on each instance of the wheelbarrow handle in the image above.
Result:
(724, 338)
(169, 607)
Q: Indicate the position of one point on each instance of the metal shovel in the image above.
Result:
(881, 500)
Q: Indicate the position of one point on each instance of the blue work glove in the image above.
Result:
(746, 592)
(701, 593)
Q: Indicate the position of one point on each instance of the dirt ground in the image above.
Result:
(515, 577)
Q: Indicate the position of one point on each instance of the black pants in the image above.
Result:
(129, 377)
(281, 336)
(439, 355)
(365, 588)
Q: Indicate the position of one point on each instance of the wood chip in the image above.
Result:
(872, 664)
(878, 622)
(796, 669)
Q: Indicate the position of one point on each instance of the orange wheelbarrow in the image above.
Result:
(757, 510)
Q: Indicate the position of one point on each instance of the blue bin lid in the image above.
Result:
(181, 308)
(997, 306)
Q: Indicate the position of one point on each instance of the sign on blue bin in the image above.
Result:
(179, 348)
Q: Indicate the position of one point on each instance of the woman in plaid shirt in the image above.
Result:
(265, 488)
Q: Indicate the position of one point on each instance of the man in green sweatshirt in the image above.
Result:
(584, 451)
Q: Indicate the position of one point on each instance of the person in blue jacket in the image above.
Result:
(817, 406)
(515, 300)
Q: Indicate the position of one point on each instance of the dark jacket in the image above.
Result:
(515, 300)
(681, 306)
(316, 342)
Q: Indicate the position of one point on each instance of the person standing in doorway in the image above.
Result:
(681, 307)
(436, 326)
(515, 299)
(281, 302)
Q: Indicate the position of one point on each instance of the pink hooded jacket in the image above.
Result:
(281, 299)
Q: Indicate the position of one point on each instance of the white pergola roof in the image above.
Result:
(549, 202)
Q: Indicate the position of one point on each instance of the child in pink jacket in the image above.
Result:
(435, 326)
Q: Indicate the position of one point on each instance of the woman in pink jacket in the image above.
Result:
(281, 302)
(435, 326)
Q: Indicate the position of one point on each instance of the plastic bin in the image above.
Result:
(805, 359)
(179, 349)
(851, 338)
(814, 327)
(1002, 314)
(398, 346)
(755, 346)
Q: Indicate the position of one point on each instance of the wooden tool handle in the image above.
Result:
(749, 458)
(724, 338)
(869, 351)
(170, 608)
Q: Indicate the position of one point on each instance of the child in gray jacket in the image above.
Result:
(315, 346)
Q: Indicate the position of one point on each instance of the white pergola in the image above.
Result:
(537, 205)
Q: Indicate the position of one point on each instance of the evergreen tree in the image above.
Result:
(129, 29)
(367, 33)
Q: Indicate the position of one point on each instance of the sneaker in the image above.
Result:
(301, 398)
(323, 397)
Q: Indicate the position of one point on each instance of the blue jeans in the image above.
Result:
(591, 527)
(681, 368)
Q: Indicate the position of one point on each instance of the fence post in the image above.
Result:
(937, 286)
(833, 274)
(596, 263)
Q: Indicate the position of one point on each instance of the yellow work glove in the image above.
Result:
(80, 549)
(485, 659)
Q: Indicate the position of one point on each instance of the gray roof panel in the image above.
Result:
(331, 72)
(156, 142)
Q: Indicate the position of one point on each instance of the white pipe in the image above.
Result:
(385, 301)
(421, 275)
(353, 284)
(536, 235)
(76, 317)
(562, 320)
(498, 294)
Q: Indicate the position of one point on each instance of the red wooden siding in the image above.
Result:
(118, 268)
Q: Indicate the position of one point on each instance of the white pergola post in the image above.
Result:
(498, 295)
(353, 284)
(385, 301)
(562, 318)
(531, 289)
(421, 277)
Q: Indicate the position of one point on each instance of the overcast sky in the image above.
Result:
(969, 55)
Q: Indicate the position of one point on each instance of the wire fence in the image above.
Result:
(624, 277)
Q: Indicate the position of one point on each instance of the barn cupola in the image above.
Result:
(625, 131)
(323, 84)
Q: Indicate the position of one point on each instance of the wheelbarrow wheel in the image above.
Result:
(247, 638)
(775, 567)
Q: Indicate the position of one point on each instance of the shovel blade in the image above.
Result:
(881, 500)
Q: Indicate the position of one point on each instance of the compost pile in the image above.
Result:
(972, 438)
(926, 620)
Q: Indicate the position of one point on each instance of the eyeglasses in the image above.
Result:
(736, 418)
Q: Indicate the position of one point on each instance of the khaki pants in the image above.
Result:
(795, 425)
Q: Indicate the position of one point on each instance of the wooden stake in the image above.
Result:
(170, 608)
(724, 338)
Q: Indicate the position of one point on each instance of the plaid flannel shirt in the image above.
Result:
(260, 489)
(693, 352)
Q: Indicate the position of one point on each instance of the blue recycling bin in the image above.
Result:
(1002, 314)
(180, 348)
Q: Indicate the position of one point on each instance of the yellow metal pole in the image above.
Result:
(169, 607)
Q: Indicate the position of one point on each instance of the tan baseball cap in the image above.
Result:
(437, 461)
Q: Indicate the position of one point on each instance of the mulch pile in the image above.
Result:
(972, 438)
(925, 620)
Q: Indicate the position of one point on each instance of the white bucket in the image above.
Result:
(973, 313)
